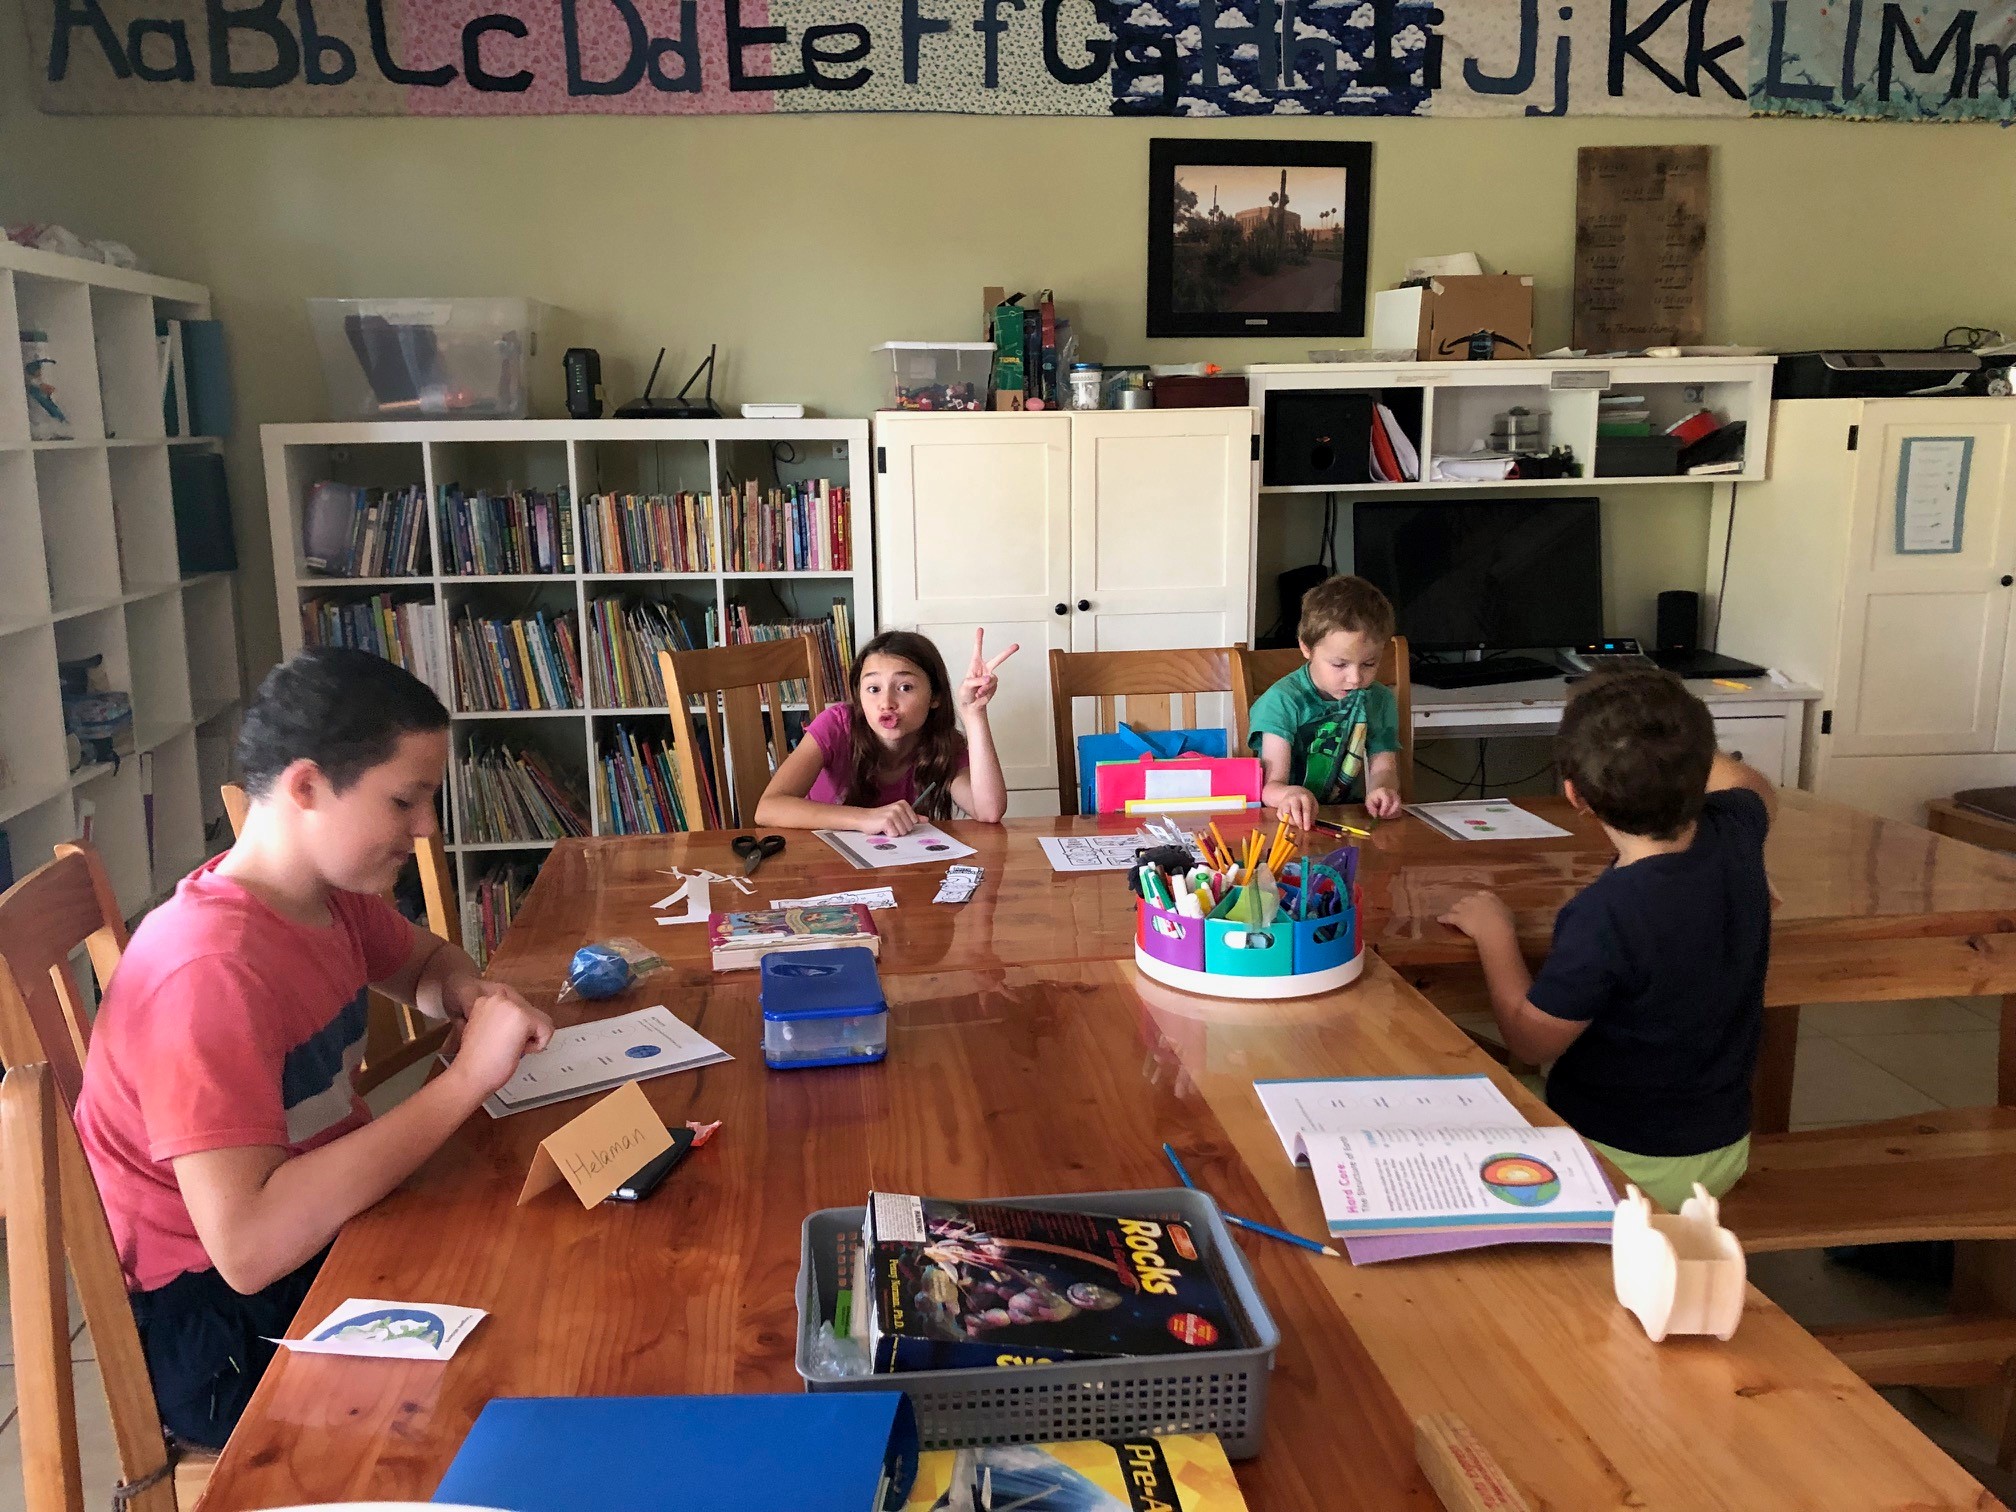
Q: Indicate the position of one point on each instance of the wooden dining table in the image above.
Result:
(1028, 1056)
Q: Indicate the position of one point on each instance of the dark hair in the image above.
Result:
(1638, 746)
(938, 743)
(344, 710)
(1344, 603)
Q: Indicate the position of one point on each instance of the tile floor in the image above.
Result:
(1857, 1062)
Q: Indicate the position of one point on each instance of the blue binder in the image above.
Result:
(808, 1453)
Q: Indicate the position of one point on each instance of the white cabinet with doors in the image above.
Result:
(1878, 562)
(1115, 530)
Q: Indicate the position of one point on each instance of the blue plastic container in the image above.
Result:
(822, 1008)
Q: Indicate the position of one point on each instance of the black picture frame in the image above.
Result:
(1179, 305)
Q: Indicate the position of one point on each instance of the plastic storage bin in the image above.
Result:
(822, 1008)
(427, 359)
(1221, 1391)
(937, 375)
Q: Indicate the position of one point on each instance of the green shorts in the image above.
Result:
(1669, 1179)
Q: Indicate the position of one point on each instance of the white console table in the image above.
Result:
(1764, 725)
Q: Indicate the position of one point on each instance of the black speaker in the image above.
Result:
(1679, 621)
(1318, 436)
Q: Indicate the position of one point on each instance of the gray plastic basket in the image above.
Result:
(1221, 1391)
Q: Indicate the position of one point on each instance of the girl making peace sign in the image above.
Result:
(906, 749)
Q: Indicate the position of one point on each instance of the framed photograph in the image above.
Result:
(1257, 238)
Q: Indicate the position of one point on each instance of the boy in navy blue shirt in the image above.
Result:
(1651, 1003)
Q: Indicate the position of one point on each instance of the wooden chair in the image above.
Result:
(397, 1035)
(1135, 687)
(44, 919)
(1254, 672)
(733, 686)
(53, 1212)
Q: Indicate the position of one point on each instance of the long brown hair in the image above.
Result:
(939, 743)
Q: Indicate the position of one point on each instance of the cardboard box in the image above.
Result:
(1437, 319)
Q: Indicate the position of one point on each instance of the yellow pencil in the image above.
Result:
(1223, 849)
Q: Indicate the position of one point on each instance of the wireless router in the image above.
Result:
(678, 407)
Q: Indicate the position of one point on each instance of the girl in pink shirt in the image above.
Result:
(906, 749)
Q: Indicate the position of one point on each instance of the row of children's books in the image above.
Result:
(508, 795)
(624, 639)
(348, 531)
(493, 903)
(832, 645)
(803, 527)
(407, 634)
(507, 534)
(515, 664)
(648, 533)
(637, 787)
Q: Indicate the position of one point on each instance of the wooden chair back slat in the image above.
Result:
(1254, 672)
(734, 685)
(1134, 687)
(44, 919)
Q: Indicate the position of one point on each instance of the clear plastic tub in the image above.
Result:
(822, 1008)
(427, 359)
(937, 375)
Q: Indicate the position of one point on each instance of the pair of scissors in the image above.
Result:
(755, 852)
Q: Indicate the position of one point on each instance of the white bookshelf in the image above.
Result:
(88, 565)
(585, 457)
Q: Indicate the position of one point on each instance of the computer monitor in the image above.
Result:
(1486, 575)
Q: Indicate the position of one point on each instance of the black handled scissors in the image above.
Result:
(755, 852)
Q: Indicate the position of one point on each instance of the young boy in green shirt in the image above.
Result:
(1329, 732)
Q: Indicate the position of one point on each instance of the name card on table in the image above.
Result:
(601, 1149)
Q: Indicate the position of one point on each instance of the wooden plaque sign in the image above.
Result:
(1641, 247)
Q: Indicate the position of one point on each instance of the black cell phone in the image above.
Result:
(645, 1182)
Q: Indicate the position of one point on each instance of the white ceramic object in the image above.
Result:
(1680, 1274)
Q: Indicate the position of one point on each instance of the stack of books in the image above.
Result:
(624, 640)
(512, 534)
(493, 903)
(832, 645)
(1623, 415)
(364, 532)
(511, 797)
(407, 634)
(648, 533)
(516, 664)
(804, 527)
(636, 785)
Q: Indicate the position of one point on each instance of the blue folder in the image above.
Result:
(808, 1453)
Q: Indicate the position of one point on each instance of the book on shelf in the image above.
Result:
(739, 940)
(624, 639)
(648, 533)
(508, 534)
(509, 796)
(493, 903)
(512, 665)
(832, 646)
(637, 786)
(348, 531)
(405, 632)
(951, 1285)
(1177, 1472)
(800, 527)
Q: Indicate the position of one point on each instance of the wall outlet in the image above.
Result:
(1692, 393)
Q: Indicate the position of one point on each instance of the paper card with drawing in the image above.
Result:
(1485, 819)
(383, 1330)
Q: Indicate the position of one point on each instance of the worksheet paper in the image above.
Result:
(1485, 819)
(1932, 494)
(925, 843)
(1340, 1104)
(595, 1057)
(1415, 1180)
(389, 1330)
(1097, 853)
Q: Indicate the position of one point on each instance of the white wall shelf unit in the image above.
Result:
(584, 458)
(88, 565)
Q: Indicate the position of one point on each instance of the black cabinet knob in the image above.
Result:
(1063, 608)
(1083, 605)
(2007, 580)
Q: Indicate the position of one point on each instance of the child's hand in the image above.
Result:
(895, 819)
(1298, 807)
(1383, 803)
(1479, 915)
(977, 691)
(502, 1028)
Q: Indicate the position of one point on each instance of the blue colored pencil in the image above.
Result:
(1247, 1223)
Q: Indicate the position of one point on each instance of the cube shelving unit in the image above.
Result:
(88, 565)
(585, 457)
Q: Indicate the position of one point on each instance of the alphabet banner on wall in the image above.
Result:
(1926, 60)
